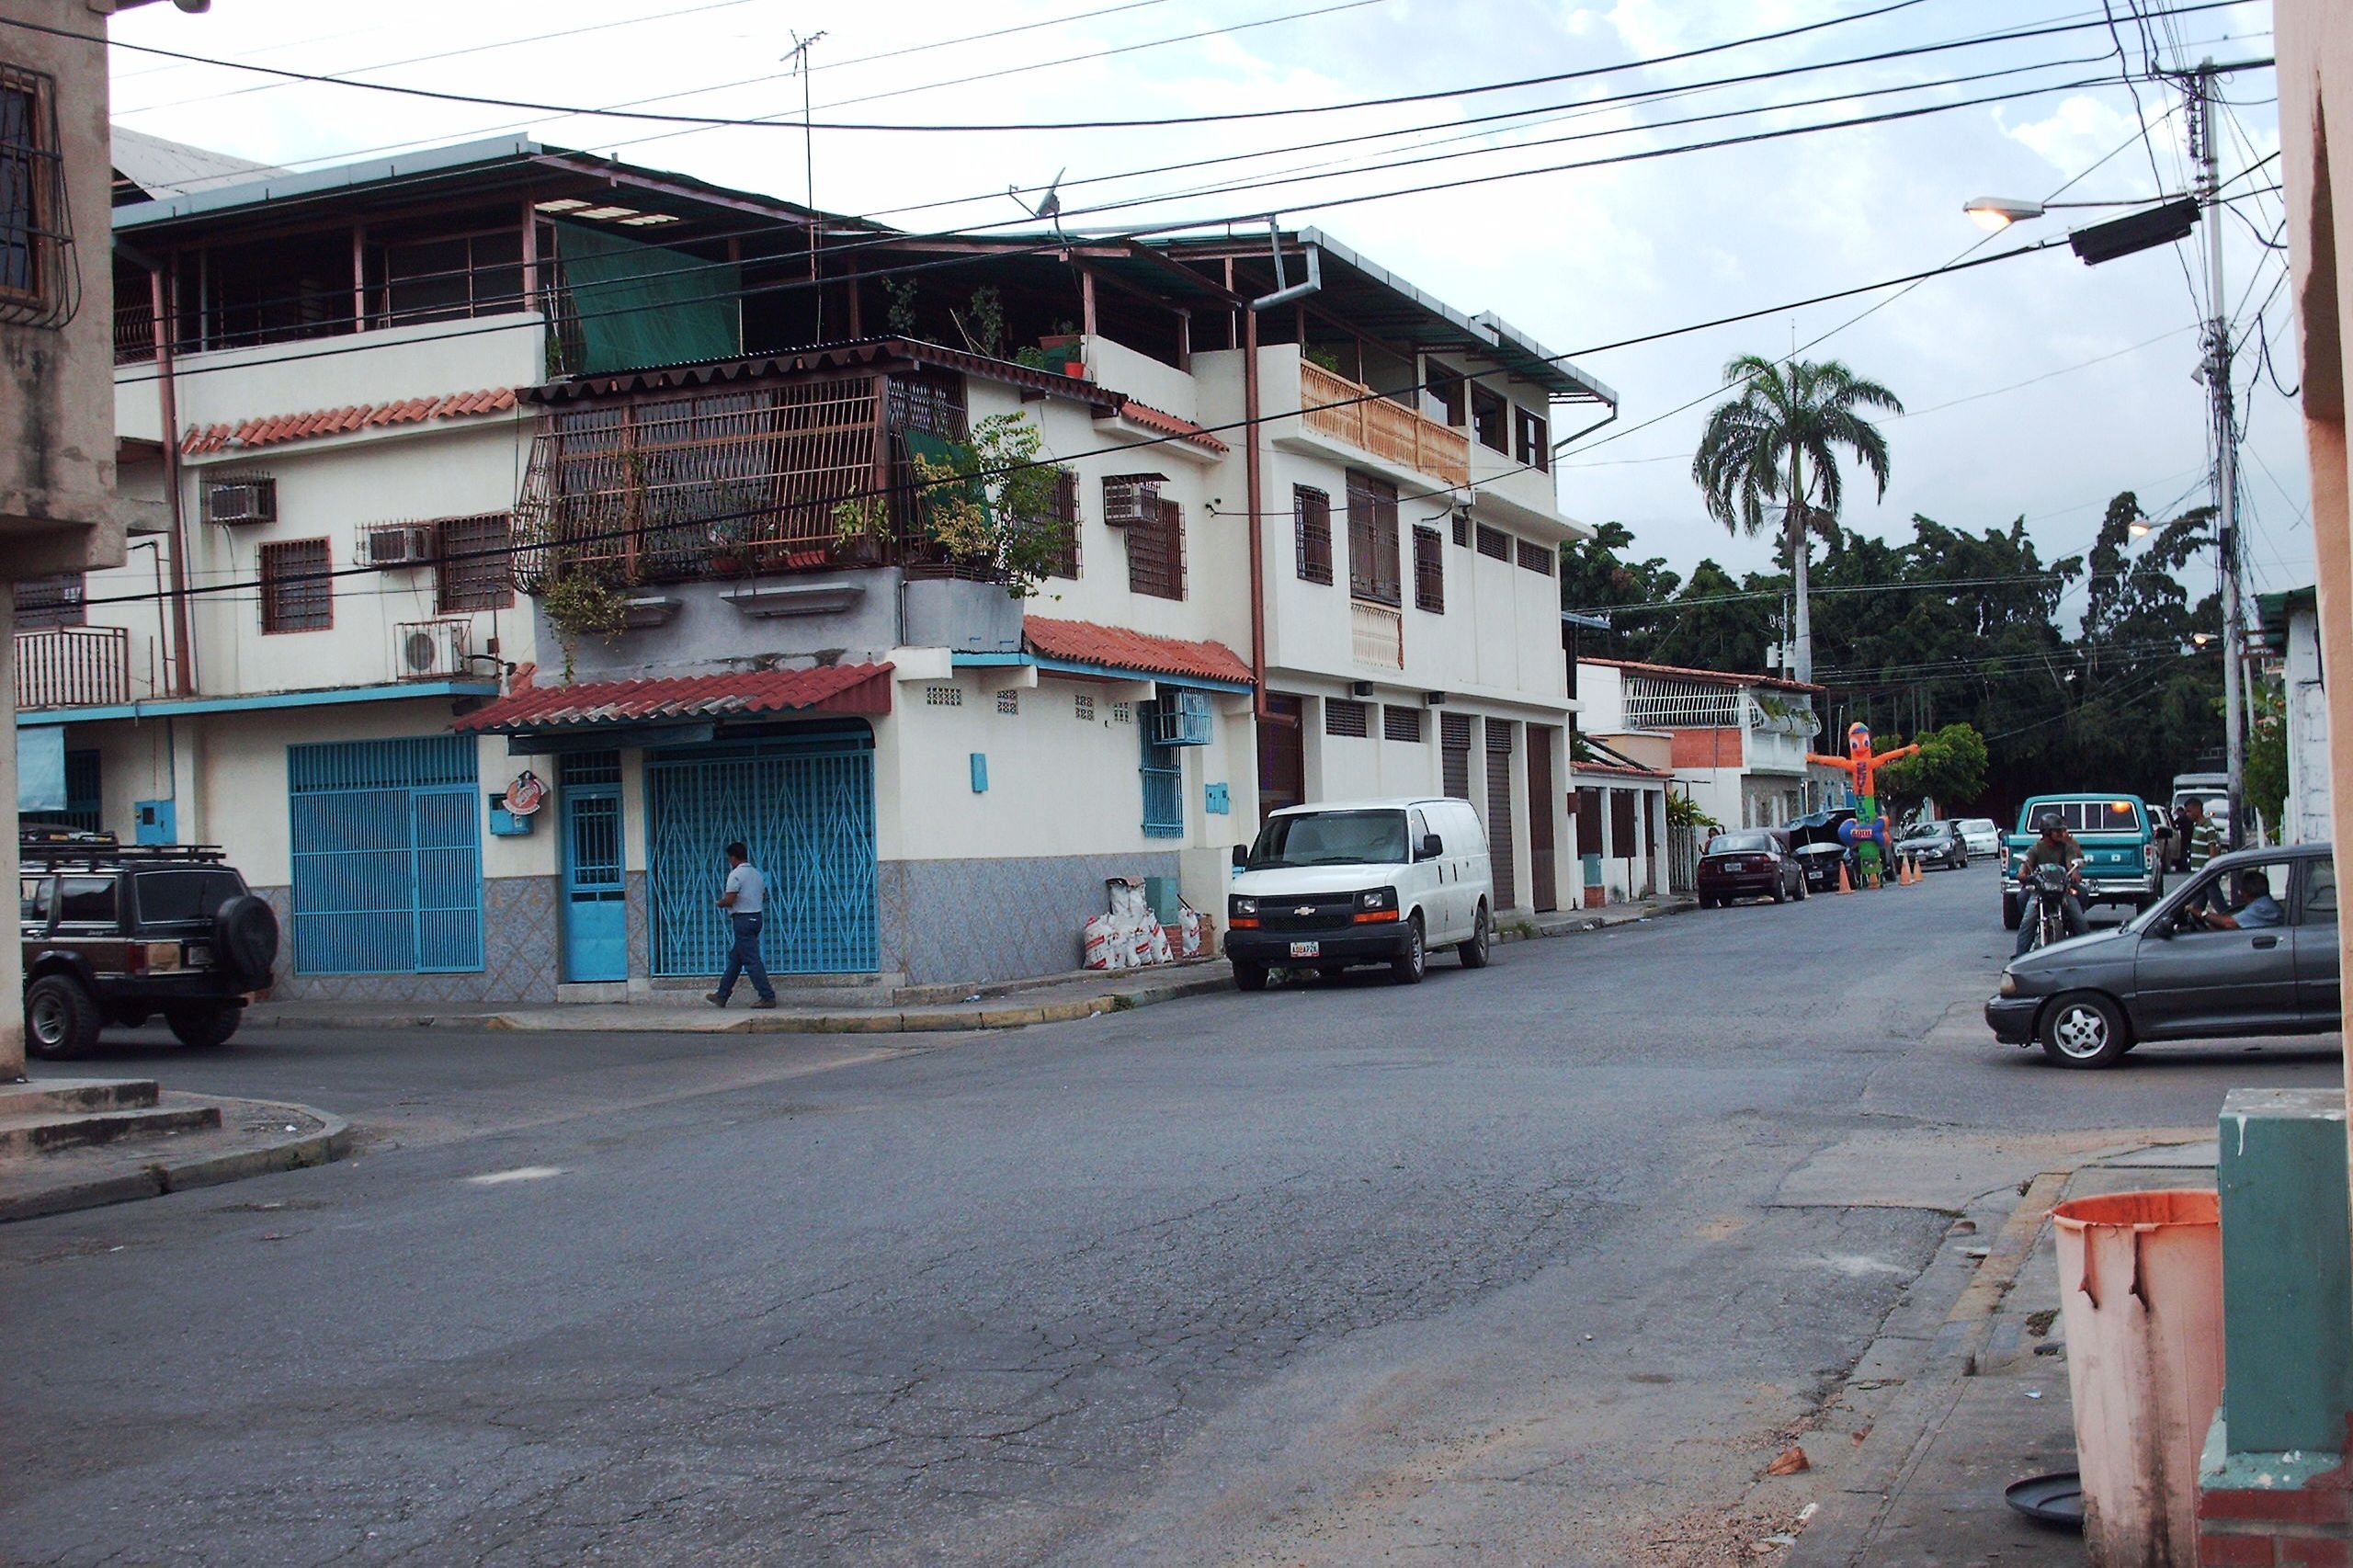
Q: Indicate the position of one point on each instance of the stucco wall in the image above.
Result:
(997, 919)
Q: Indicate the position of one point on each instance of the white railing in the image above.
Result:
(1379, 635)
(1351, 412)
(1663, 703)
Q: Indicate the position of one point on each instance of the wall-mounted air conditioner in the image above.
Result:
(1129, 497)
(425, 650)
(245, 498)
(408, 545)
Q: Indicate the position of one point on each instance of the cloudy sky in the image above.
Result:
(2037, 387)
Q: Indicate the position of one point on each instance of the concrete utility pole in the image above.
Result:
(2205, 150)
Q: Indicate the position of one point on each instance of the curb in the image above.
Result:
(1598, 920)
(332, 1140)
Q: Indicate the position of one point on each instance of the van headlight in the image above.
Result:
(1240, 905)
(1376, 898)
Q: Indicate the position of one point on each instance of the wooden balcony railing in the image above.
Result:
(73, 667)
(1339, 407)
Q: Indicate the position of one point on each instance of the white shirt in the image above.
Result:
(749, 888)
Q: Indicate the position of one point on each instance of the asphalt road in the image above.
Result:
(1536, 1265)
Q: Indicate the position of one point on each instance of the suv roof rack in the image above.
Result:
(51, 848)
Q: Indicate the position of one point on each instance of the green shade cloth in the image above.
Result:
(638, 306)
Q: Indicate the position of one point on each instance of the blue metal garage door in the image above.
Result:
(387, 850)
(804, 806)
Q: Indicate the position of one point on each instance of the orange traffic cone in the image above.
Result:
(1844, 886)
(1903, 876)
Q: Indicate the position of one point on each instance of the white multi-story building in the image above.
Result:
(382, 383)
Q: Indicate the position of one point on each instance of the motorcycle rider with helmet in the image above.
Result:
(2057, 846)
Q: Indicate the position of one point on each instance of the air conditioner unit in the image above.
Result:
(424, 650)
(252, 498)
(1129, 497)
(404, 545)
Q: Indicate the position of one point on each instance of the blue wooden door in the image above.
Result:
(804, 806)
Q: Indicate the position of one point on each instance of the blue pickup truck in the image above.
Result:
(2122, 863)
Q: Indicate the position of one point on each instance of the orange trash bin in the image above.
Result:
(2141, 1289)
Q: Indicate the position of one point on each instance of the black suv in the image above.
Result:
(114, 934)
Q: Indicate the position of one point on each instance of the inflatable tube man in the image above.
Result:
(1867, 835)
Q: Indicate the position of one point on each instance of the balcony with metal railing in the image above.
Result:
(1348, 412)
(73, 667)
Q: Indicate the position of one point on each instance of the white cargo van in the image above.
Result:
(1332, 886)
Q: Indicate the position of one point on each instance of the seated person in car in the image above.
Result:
(2256, 910)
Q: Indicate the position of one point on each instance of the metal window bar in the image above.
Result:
(40, 285)
(295, 593)
(1373, 567)
(386, 851)
(465, 579)
(1163, 773)
(1156, 552)
(1311, 511)
(1430, 571)
(1656, 702)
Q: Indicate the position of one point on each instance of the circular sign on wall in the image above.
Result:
(527, 794)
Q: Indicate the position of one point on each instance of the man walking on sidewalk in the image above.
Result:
(744, 897)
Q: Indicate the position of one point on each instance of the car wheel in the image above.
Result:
(205, 1028)
(1249, 976)
(1780, 894)
(2009, 912)
(1409, 968)
(2084, 1030)
(1802, 887)
(61, 1018)
(1474, 953)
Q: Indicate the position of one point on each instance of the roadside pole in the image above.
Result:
(2205, 150)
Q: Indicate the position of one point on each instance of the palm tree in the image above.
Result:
(1780, 431)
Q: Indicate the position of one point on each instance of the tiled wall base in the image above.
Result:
(520, 940)
(1006, 919)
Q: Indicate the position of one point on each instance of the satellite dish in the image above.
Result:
(1049, 205)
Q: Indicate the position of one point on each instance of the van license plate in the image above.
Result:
(1306, 949)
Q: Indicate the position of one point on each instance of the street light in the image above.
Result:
(1994, 214)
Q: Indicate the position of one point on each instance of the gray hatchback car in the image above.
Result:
(2165, 975)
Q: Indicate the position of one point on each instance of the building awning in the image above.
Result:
(1117, 648)
(681, 700)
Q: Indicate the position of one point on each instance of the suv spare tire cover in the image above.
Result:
(245, 940)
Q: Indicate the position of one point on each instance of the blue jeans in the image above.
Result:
(745, 959)
(2071, 915)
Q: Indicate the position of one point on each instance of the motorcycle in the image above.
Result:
(2048, 886)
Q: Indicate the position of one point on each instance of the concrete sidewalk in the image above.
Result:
(1061, 998)
(1945, 1411)
(72, 1143)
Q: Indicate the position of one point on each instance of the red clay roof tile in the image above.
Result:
(833, 689)
(271, 429)
(1084, 641)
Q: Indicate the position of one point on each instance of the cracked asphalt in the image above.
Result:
(1497, 1270)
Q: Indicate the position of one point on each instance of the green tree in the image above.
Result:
(1595, 577)
(1779, 439)
(1950, 767)
(2266, 758)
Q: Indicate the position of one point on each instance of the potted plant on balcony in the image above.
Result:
(988, 502)
(579, 602)
(861, 525)
(727, 545)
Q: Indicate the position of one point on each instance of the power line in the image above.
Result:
(568, 111)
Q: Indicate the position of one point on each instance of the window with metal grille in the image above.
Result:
(386, 847)
(1532, 439)
(1373, 567)
(1065, 523)
(1008, 701)
(1162, 772)
(1462, 528)
(1345, 717)
(1534, 557)
(1400, 724)
(476, 571)
(1082, 707)
(50, 601)
(296, 595)
(83, 811)
(1494, 543)
(1122, 714)
(450, 276)
(1128, 497)
(1156, 552)
(1430, 571)
(39, 285)
(1310, 512)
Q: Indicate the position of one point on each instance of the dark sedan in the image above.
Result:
(1750, 863)
(2248, 946)
(1936, 844)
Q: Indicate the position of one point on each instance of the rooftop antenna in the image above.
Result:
(799, 58)
(1049, 205)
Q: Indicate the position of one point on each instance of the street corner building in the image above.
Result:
(505, 477)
